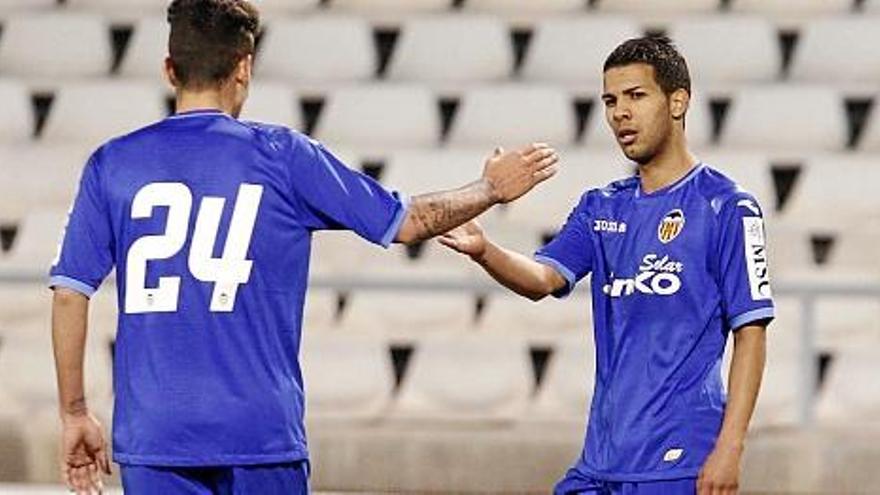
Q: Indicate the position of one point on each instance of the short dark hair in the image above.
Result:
(670, 68)
(209, 37)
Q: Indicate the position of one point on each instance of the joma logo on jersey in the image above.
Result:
(671, 225)
(611, 226)
(657, 276)
(756, 258)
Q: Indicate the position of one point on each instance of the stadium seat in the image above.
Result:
(271, 9)
(341, 254)
(838, 50)
(31, 165)
(147, 49)
(743, 49)
(346, 377)
(538, 322)
(870, 140)
(321, 310)
(452, 49)
(40, 46)
(698, 124)
(519, 6)
(409, 314)
(871, 6)
(845, 181)
(851, 394)
(572, 51)
(804, 7)
(16, 115)
(567, 387)
(23, 303)
(514, 115)
(547, 207)
(272, 104)
(12, 6)
(659, 6)
(317, 51)
(384, 7)
(96, 112)
(380, 117)
(471, 378)
(786, 118)
(36, 243)
(121, 10)
(417, 171)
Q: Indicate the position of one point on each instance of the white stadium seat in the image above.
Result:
(659, 6)
(838, 50)
(785, 7)
(474, 378)
(530, 6)
(96, 112)
(871, 6)
(698, 124)
(147, 49)
(346, 377)
(37, 240)
(572, 51)
(272, 104)
(380, 117)
(851, 394)
(870, 140)
(278, 8)
(39, 46)
(419, 171)
(452, 49)
(742, 49)
(391, 6)
(16, 115)
(801, 119)
(32, 166)
(25, 5)
(537, 321)
(568, 383)
(317, 50)
(513, 116)
(122, 10)
(407, 314)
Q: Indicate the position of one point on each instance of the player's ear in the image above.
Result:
(244, 70)
(170, 75)
(679, 102)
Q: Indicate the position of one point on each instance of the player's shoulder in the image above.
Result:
(614, 189)
(719, 190)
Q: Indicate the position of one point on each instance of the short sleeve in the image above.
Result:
(334, 197)
(743, 269)
(571, 252)
(85, 255)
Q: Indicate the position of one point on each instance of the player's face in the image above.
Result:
(637, 110)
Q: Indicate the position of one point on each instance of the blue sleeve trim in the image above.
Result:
(72, 284)
(743, 319)
(397, 222)
(568, 275)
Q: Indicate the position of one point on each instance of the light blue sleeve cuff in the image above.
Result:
(744, 319)
(396, 223)
(72, 284)
(568, 275)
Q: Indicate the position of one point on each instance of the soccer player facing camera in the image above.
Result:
(678, 261)
(208, 222)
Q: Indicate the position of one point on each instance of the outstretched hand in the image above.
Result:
(83, 454)
(467, 239)
(514, 173)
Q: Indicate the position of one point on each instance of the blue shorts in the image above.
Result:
(575, 483)
(265, 479)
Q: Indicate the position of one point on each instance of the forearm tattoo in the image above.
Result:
(76, 407)
(436, 213)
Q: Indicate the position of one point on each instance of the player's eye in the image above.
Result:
(609, 103)
(638, 95)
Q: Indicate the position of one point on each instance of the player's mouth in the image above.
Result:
(627, 137)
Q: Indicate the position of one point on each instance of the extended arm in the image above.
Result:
(515, 271)
(506, 177)
(721, 471)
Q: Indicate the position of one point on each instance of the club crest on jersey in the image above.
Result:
(671, 225)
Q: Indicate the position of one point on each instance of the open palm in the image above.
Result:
(467, 239)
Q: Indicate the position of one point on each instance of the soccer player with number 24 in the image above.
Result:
(208, 221)
(678, 261)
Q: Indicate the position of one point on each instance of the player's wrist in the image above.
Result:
(488, 187)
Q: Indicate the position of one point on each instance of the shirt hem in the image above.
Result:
(396, 223)
(211, 460)
(563, 270)
(72, 284)
(744, 319)
(665, 475)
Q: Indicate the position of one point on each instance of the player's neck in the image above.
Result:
(188, 101)
(668, 167)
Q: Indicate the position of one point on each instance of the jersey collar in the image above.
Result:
(671, 187)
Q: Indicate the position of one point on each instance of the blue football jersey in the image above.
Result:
(208, 222)
(673, 272)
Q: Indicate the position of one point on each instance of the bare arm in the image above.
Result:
(720, 473)
(84, 447)
(506, 177)
(515, 271)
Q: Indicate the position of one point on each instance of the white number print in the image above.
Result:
(227, 272)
